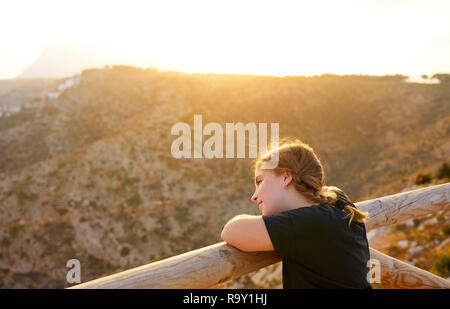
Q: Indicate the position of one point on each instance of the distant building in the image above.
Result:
(52, 95)
(422, 79)
(68, 83)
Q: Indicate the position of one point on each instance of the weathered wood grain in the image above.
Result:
(403, 206)
(396, 274)
(202, 268)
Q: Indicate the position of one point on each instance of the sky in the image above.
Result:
(375, 37)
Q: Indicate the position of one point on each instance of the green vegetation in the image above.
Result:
(125, 251)
(182, 213)
(425, 243)
(129, 181)
(446, 230)
(444, 171)
(93, 205)
(53, 173)
(5, 242)
(443, 265)
(401, 227)
(443, 78)
(16, 119)
(23, 196)
(135, 200)
(422, 179)
(356, 77)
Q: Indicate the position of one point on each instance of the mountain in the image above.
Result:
(62, 58)
(90, 175)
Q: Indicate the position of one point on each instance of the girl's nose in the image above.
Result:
(254, 197)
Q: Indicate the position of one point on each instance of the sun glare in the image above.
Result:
(245, 37)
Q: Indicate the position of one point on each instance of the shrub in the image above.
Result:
(443, 264)
(125, 251)
(423, 179)
(16, 119)
(400, 227)
(444, 171)
(135, 200)
(446, 230)
(182, 213)
(26, 196)
(130, 181)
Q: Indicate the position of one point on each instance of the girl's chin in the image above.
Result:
(265, 212)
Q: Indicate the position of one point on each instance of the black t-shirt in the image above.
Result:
(318, 249)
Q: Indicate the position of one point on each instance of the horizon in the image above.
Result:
(429, 79)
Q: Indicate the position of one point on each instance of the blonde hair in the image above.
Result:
(308, 175)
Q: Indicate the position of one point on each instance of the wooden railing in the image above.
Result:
(212, 265)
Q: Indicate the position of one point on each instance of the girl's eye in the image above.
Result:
(258, 182)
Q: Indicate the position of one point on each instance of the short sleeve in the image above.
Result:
(281, 231)
(294, 232)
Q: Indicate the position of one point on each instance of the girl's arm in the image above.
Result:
(247, 233)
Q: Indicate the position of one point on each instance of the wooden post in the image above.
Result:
(209, 266)
(201, 268)
(404, 206)
(396, 274)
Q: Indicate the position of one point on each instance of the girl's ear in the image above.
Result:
(287, 178)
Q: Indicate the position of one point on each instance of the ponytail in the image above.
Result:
(342, 201)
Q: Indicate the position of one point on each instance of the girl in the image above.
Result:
(317, 231)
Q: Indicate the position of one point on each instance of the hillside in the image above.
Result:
(91, 176)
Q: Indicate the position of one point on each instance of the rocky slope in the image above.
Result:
(91, 175)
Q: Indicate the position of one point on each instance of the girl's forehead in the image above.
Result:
(261, 172)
